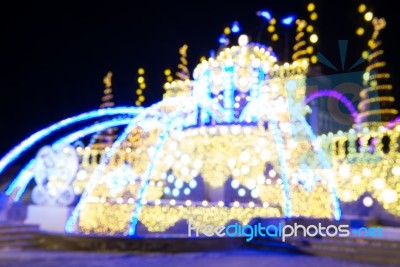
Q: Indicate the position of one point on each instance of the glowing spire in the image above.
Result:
(141, 87)
(306, 39)
(183, 73)
(105, 138)
(376, 106)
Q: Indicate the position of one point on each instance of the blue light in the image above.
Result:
(265, 14)
(38, 136)
(235, 27)
(288, 20)
(20, 183)
(223, 40)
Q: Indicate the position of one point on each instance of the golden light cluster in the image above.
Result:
(306, 38)
(142, 86)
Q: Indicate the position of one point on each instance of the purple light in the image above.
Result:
(334, 94)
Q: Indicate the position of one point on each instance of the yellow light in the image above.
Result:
(203, 58)
(310, 49)
(362, 8)
(314, 59)
(360, 31)
(167, 72)
(140, 79)
(368, 16)
(141, 98)
(310, 7)
(314, 16)
(310, 28)
(365, 54)
(140, 71)
(371, 43)
(227, 30)
(170, 79)
(137, 103)
(272, 21)
(275, 37)
(271, 28)
(313, 38)
(139, 91)
(142, 86)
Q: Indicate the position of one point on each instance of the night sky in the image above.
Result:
(54, 55)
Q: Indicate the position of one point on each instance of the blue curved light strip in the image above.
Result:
(149, 170)
(25, 175)
(36, 137)
(324, 161)
(71, 223)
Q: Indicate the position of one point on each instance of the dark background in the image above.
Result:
(54, 55)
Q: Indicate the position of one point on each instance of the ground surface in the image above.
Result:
(233, 258)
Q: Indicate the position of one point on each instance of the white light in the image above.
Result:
(356, 179)
(272, 173)
(244, 156)
(389, 196)
(368, 201)
(346, 195)
(241, 192)
(175, 192)
(344, 171)
(265, 155)
(170, 178)
(167, 191)
(204, 203)
(188, 203)
(260, 179)
(245, 169)
(268, 181)
(186, 191)
(251, 184)
(159, 183)
(172, 202)
(198, 164)
(243, 40)
(236, 204)
(396, 170)
(231, 163)
(178, 183)
(254, 193)
(192, 184)
(81, 175)
(119, 200)
(243, 82)
(185, 171)
(265, 205)
(236, 105)
(157, 202)
(235, 184)
(379, 183)
(366, 172)
(251, 204)
(220, 203)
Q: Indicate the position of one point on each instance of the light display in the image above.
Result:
(230, 143)
(376, 106)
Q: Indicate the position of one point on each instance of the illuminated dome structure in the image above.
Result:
(231, 144)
